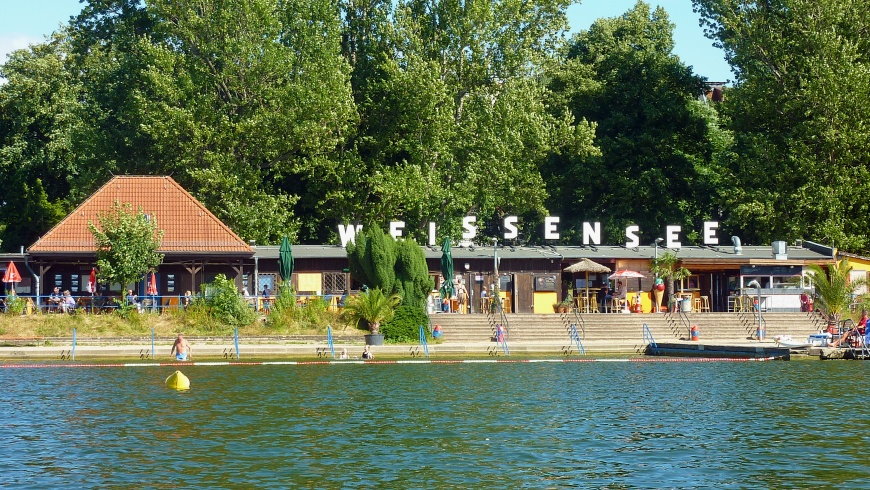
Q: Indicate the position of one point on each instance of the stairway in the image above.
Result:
(623, 332)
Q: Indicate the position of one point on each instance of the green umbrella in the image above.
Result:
(285, 261)
(447, 289)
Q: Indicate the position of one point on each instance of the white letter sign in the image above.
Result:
(631, 234)
(470, 229)
(671, 236)
(591, 233)
(510, 226)
(348, 233)
(551, 228)
(710, 237)
(396, 228)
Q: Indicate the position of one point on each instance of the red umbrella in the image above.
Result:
(152, 285)
(92, 281)
(625, 273)
(11, 274)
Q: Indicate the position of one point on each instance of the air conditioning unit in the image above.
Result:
(780, 252)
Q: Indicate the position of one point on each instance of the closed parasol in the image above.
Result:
(587, 266)
(92, 281)
(151, 290)
(447, 289)
(285, 261)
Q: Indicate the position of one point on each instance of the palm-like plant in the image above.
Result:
(374, 307)
(665, 266)
(834, 289)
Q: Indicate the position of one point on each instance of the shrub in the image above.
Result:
(405, 325)
(222, 305)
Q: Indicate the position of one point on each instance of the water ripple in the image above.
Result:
(492, 426)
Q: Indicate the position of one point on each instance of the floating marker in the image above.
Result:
(178, 381)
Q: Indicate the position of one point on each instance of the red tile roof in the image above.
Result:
(187, 225)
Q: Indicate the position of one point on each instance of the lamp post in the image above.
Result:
(658, 293)
(760, 331)
(496, 294)
(470, 289)
(656, 245)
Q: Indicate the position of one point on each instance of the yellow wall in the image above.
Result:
(309, 283)
(544, 302)
(859, 264)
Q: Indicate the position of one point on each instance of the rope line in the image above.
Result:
(374, 362)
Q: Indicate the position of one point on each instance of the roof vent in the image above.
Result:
(780, 252)
(738, 250)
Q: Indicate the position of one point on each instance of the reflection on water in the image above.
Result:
(491, 425)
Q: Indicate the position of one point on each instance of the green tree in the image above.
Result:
(372, 259)
(798, 112)
(656, 165)
(834, 289)
(453, 114)
(39, 121)
(127, 244)
(243, 101)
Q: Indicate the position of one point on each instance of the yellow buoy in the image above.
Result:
(178, 381)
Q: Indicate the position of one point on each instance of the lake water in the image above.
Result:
(760, 424)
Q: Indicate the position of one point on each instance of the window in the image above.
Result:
(335, 282)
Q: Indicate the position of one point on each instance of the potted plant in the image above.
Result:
(834, 289)
(372, 307)
(565, 305)
(665, 266)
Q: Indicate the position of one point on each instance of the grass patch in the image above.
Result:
(191, 322)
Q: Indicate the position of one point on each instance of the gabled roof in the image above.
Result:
(189, 228)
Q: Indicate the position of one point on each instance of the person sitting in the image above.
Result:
(367, 353)
(55, 299)
(132, 300)
(855, 336)
(68, 303)
(343, 354)
(436, 331)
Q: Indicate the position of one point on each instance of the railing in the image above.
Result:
(575, 337)
(97, 304)
(578, 320)
(761, 330)
(497, 317)
(649, 340)
(424, 341)
(684, 319)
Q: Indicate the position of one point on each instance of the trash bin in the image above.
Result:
(686, 305)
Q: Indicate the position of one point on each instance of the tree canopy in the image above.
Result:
(288, 117)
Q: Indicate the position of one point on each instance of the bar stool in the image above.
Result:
(696, 304)
(705, 304)
(617, 304)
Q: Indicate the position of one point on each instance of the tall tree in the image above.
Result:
(127, 243)
(453, 119)
(39, 121)
(654, 135)
(243, 101)
(799, 117)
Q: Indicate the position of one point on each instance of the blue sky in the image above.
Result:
(22, 23)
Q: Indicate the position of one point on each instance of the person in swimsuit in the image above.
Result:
(180, 349)
(367, 353)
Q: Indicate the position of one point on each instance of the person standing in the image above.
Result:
(180, 349)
